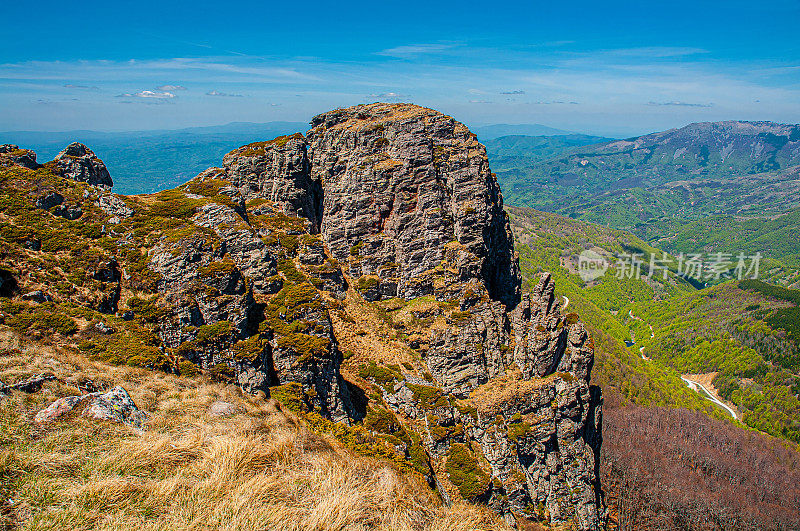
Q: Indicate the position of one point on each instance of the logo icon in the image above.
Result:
(591, 265)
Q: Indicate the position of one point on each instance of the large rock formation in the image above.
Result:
(405, 202)
(79, 163)
(251, 272)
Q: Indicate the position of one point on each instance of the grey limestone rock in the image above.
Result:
(79, 163)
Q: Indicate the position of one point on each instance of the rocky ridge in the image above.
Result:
(257, 271)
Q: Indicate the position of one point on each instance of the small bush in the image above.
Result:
(463, 471)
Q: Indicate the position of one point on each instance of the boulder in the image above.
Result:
(115, 405)
(79, 163)
(223, 409)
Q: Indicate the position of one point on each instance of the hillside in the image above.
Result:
(357, 321)
(745, 333)
(728, 187)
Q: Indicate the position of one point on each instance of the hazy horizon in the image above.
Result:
(598, 69)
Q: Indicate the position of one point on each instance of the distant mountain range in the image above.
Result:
(692, 189)
(150, 161)
(490, 132)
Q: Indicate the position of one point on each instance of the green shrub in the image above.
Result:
(380, 375)
(306, 346)
(463, 471)
(383, 421)
(290, 395)
(428, 397)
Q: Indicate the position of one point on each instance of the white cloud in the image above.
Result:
(80, 87)
(223, 94)
(154, 94)
(387, 96)
(679, 104)
(170, 88)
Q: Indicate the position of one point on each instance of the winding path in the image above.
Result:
(708, 395)
(566, 301)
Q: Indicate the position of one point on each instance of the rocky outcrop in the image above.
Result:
(406, 206)
(251, 268)
(12, 154)
(277, 170)
(79, 163)
(401, 183)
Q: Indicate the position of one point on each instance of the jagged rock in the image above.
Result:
(114, 206)
(277, 170)
(79, 163)
(20, 157)
(400, 183)
(46, 202)
(115, 405)
(393, 201)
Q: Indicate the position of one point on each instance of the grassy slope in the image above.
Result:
(733, 332)
(259, 469)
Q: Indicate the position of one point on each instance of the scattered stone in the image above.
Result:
(29, 385)
(68, 212)
(104, 328)
(115, 405)
(37, 296)
(114, 206)
(223, 409)
(60, 407)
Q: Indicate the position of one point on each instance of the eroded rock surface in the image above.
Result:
(79, 163)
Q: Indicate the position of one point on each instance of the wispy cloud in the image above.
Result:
(223, 94)
(413, 50)
(480, 101)
(170, 88)
(388, 96)
(656, 52)
(80, 87)
(513, 92)
(678, 104)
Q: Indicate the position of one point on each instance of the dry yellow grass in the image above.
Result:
(505, 389)
(259, 469)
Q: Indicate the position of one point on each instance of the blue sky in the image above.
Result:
(600, 67)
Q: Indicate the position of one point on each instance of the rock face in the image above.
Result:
(401, 183)
(252, 271)
(278, 170)
(79, 163)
